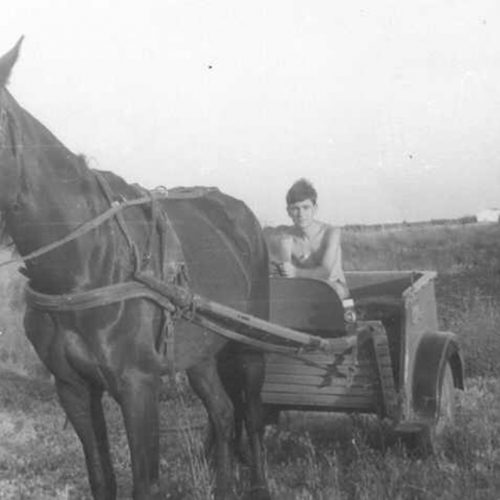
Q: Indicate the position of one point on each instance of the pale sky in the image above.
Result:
(390, 107)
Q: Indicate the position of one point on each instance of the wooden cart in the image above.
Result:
(390, 360)
(398, 365)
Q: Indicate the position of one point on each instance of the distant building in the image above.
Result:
(489, 215)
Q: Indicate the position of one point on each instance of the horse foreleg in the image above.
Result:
(83, 406)
(205, 381)
(138, 399)
(239, 450)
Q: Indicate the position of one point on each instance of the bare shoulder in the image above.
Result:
(330, 232)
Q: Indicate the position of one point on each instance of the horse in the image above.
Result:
(90, 343)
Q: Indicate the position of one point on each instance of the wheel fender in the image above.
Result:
(433, 352)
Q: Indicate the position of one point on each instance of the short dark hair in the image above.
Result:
(301, 190)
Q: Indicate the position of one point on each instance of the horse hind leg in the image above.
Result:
(237, 442)
(205, 381)
(229, 367)
(242, 372)
(83, 406)
(138, 398)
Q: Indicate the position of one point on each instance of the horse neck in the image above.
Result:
(57, 194)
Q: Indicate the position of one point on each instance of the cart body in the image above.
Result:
(395, 365)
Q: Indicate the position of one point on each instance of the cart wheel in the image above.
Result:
(432, 439)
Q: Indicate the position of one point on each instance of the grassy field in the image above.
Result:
(323, 457)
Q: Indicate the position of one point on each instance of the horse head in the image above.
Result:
(9, 171)
(33, 166)
(47, 192)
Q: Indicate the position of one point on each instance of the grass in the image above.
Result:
(328, 466)
(192, 442)
(313, 457)
(41, 457)
(476, 319)
(309, 456)
(449, 249)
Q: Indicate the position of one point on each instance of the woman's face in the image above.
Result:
(302, 213)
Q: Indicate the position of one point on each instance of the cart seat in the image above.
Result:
(308, 305)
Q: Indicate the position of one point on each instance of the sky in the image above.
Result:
(391, 108)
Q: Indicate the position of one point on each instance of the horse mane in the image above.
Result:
(39, 136)
(42, 137)
(120, 187)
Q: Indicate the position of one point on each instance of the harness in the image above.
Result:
(171, 292)
(174, 303)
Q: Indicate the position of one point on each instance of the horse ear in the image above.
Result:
(7, 61)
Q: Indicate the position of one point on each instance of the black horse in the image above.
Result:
(124, 346)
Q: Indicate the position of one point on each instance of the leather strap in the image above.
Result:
(98, 297)
(104, 185)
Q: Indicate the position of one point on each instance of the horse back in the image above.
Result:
(223, 248)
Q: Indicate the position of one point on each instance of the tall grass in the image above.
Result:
(476, 319)
(193, 445)
(447, 249)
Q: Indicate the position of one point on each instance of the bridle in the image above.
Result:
(10, 144)
(5, 137)
(113, 211)
(7, 129)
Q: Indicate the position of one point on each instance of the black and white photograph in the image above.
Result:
(250, 250)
